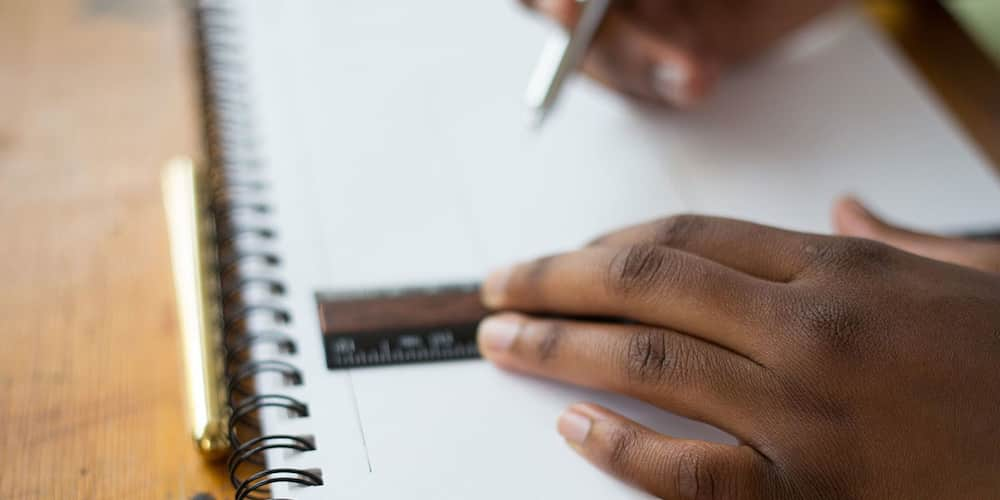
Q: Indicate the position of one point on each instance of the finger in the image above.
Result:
(634, 60)
(683, 374)
(628, 58)
(564, 12)
(664, 466)
(762, 251)
(851, 218)
(651, 284)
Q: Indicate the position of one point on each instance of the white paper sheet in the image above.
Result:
(396, 137)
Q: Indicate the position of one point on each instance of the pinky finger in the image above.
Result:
(665, 466)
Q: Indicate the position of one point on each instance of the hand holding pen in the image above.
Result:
(666, 51)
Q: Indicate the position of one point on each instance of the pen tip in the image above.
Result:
(536, 118)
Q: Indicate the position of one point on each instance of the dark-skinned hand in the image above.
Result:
(845, 367)
(672, 51)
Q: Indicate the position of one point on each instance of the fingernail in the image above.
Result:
(574, 426)
(497, 333)
(672, 82)
(494, 288)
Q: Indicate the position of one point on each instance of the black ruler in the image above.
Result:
(401, 346)
(392, 327)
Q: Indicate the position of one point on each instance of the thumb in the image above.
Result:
(851, 218)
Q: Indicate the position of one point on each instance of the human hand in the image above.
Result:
(672, 51)
(846, 368)
(851, 218)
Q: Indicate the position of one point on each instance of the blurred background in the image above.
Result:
(982, 19)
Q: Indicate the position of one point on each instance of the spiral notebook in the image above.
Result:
(369, 161)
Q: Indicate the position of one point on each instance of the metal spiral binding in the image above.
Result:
(239, 192)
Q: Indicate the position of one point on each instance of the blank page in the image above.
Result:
(397, 140)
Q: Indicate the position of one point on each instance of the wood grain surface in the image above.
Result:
(94, 96)
(960, 72)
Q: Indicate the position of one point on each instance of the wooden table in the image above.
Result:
(94, 96)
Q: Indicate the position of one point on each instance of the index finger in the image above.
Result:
(651, 284)
(763, 251)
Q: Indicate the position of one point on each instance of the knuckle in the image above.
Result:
(655, 359)
(678, 230)
(698, 478)
(623, 445)
(646, 358)
(548, 337)
(854, 255)
(635, 270)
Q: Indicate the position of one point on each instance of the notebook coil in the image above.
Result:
(248, 269)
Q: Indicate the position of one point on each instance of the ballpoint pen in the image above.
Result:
(560, 57)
